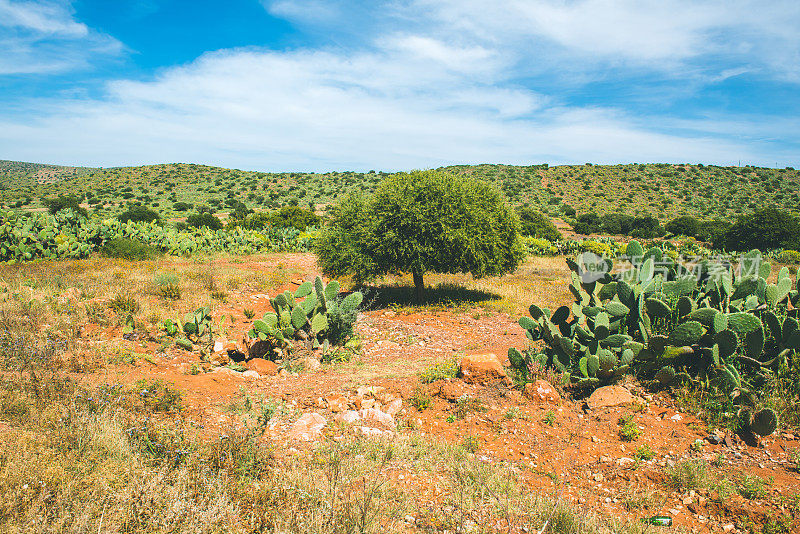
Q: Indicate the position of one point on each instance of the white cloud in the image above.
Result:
(43, 37)
(430, 83)
(321, 110)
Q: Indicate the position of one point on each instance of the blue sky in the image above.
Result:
(350, 85)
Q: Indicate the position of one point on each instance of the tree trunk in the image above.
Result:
(419, 287)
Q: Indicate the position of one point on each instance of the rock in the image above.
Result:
(625, 462)
(608, 396)
(308, 427)
(542, 391)
(310, 363)
(481, 368)
(262, 367)
(220, 358)
(336, 402)
(349, 417)
(373, 432)
(250, 374)
(218, 345)
(394, 407)
(260, 349)
(377, 416)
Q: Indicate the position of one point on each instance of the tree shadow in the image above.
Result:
(445, 296)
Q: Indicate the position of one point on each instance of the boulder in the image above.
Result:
(377, 416)
(394, 407)
(336, 402)
(308, 427)
(609, 396)
(348, 417)
(481, 368)
(542, 391)
(262, 367)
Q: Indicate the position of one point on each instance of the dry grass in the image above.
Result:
(116, 458)
(543, 281)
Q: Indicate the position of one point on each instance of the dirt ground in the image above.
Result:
(562, 449)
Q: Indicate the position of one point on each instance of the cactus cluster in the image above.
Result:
(321, 318)
(194, 326)
(708, 323)
(69, 235)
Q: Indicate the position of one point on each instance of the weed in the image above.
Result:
(644, 453)
(451, 418)
(420, 400)
(466, 404)
(249, 313)
(168, 286)
(689, 475)
(219, 295)
(157, 396)
(512, 413)
(96, 313)
(549, 418)
(124, 304)
(629, 430)
(794, 457)
(637, 498)
(439, 371)
(752, 486)
(471, 444)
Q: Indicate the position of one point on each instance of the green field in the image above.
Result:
(663, 190)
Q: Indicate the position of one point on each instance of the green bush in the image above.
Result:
(294, 217)
(127, 249)
(65, 202)
(684, 225)
(588, 223)
(205, 219)
(139, 214)
(765, 229)
(536, 224)
(789, 257)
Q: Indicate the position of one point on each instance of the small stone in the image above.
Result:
(251, 375)
(598, 477)
(336, 402)
(625, 462)
(542, 391)
(375, 415)
(262, 367)
(676, 417)
(609, 396)
(410, 519)
(605, 459)
(728, 528)
(481, 368)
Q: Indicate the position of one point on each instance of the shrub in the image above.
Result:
(65, 202)
(684, 225)
(588, 223)
(789, 256)
(646, 227)
(205, 219)
(439, 371)
(182, 206)
(127, 249)
(139, 214)
(765, 229)
(536, 224)
(168, 286)
(713, 232)
(616, 223)
(294, 217)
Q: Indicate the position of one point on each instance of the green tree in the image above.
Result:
(537, 224)
(420, 222)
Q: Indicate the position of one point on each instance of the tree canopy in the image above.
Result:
(420, 222)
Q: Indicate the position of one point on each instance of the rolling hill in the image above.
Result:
(663, 190)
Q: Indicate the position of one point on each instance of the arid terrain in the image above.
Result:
(630, 451)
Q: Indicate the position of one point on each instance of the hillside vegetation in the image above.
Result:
(663, 190)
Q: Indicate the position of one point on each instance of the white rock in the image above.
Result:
(394, 407)
(349, 417)
(624, 462)
(375, 415)
(308, 427)
(252, 375)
